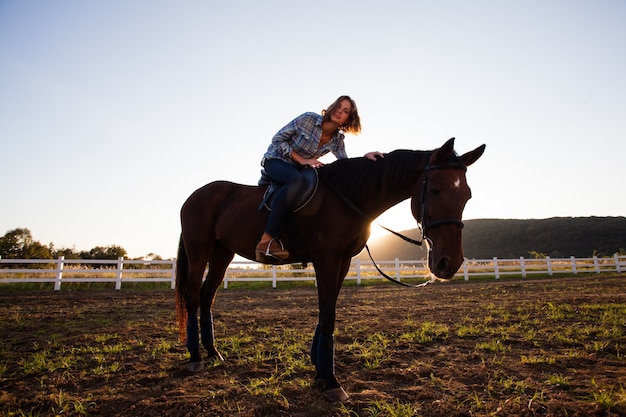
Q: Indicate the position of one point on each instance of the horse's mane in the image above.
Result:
(362, 180)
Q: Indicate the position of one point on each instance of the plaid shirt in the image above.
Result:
(303, 135)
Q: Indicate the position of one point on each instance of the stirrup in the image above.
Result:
(261, 254)
(277, 240)
(283, 253)
(282, 248)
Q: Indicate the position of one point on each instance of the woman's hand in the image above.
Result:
(313, 163)
(373, 156)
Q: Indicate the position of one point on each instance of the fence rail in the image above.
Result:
(120, 271)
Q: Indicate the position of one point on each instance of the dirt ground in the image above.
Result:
(540, 347)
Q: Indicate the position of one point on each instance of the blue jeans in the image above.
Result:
(291, 179)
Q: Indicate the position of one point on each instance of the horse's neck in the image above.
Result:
(388, 184)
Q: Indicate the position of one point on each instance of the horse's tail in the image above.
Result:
(182, 285)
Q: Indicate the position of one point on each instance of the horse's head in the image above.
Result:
(437, 204)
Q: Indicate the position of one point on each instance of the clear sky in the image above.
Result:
(113, 112)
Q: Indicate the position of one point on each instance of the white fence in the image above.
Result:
(60, 271)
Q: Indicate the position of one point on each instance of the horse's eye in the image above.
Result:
(434, 191)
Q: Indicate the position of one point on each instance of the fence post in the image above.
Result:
(495, 267)
(549, 265)
(59, 275)
(226, 279)
(596, 265)
(118, 276)
(273, 276)
(465, 272)
(522, 265)
(573, 259)
(173, 283)
(617, 267)
(357, 266)
(397, 269)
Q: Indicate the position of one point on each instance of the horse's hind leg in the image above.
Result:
(192, 301)
(220, 259)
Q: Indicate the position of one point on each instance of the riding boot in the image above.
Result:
(208, 338)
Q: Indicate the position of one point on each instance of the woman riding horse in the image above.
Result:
(299, 144)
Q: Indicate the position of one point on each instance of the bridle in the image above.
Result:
(425, 223)
(425, 218)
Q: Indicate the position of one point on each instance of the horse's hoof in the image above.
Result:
(195, 366)
(336, 394)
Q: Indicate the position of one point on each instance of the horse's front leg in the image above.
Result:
(323, 348)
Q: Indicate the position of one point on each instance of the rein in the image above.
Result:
(424, 223)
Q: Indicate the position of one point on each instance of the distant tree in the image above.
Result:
(13, 242)
(104, 252)
(36, 250)
(67, 253)
(19, 244)
(149, 257)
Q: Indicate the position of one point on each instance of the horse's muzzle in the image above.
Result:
(443, 267)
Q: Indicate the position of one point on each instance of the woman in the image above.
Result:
(301, 143)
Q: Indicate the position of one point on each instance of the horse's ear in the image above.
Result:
(442, 154)
(472, 156)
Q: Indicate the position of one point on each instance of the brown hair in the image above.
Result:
(353, 125)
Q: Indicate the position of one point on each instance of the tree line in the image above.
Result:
(19, 244)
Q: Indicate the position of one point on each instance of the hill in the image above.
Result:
(557, 237)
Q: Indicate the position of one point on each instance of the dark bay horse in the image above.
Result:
(222, 219)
